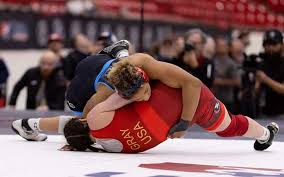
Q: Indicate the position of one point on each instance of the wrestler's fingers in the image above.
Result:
(173, 136)
(178, 134)
(67, 148)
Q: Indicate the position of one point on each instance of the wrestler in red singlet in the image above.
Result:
(141, 126)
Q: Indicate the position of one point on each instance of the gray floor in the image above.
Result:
(7, 116)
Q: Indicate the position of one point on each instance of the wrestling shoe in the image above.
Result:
(262, 145)
(22, 128)
(118, 49)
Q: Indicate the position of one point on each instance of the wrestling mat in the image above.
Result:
(205, 155)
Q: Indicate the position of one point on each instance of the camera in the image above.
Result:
(188, 47)
(253, 63)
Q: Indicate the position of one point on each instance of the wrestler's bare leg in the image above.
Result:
(49, 124)
(239, 125)
(255, 130)
(30, 128)
(52, 124)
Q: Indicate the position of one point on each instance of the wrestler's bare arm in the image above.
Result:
(112, 103)
(172, 76)
(102, 114)
(102, 94)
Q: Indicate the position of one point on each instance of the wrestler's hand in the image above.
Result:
(177, 135)
(179, 129)
(67, 148)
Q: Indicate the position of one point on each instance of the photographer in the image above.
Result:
(271, 76)
(186, 59)
(197, 64)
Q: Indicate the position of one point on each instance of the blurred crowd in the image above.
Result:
(46, 83)
(252, 85)
(249, 84)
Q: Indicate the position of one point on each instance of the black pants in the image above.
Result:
(82, 86)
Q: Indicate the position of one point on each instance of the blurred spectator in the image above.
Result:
(81, 49)
(154, 50)
(166, 51)
(179, 45)
(283, 49)
(271, 76)
(209, 48)
(227, 76)
(187, 59)
(104, 39)
(55, 44)
(243, 95)
(204, 69)
(45, 85)
(237, 51)
(4, 74)
(243, 36)
(197, 38)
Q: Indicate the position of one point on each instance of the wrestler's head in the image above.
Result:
(77, 135)
(130, 82)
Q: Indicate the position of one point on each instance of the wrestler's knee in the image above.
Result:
(238, 126)
(225, 121)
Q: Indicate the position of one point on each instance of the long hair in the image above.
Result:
(77, 135)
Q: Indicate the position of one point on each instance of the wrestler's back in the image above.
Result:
(143, 125)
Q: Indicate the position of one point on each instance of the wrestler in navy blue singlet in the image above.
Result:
(89, 73)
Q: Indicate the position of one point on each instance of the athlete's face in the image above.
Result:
(272, 48)
(143, 93)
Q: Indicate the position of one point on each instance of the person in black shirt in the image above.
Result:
(45, 85)
(192, 58)
(271, 77)
(104, 39)
(204, 68)
(4, 74)
(81, 50)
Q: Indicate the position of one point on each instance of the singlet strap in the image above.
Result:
(100, 79)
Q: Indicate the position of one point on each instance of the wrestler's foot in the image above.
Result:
(118, 49)
(22, 128)
(262, 145)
